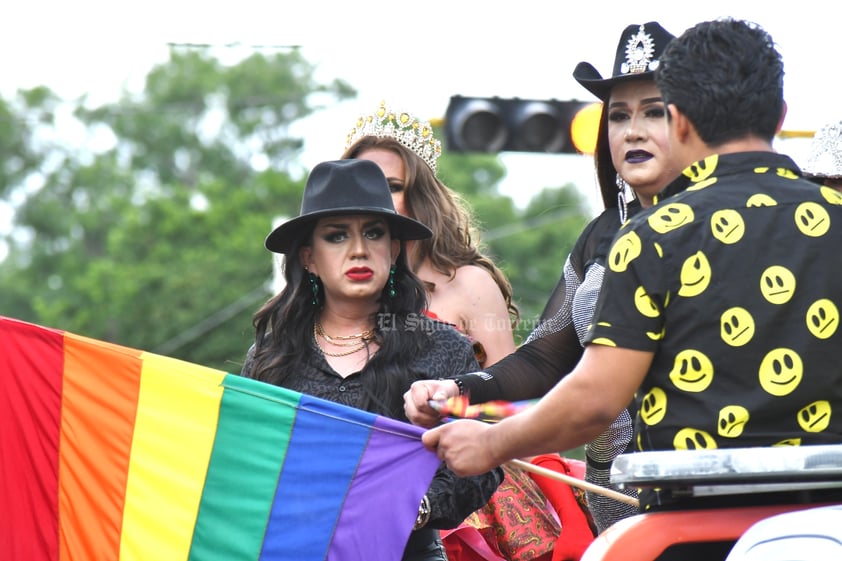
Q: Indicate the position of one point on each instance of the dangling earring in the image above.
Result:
(314, 286)
(622, 206)
(392, 291)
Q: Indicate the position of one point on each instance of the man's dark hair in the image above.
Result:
(726, 76)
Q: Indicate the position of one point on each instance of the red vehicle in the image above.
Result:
(710, 499)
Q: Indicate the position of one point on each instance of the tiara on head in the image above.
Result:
(824, 158)
(415, 134)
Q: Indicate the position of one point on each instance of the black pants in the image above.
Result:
(424, 545)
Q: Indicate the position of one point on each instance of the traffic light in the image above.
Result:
(494, 124)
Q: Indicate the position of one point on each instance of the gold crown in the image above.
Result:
(415, 134)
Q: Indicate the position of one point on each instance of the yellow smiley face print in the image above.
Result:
(736, 326)
(727, 226)
(831, 195)
(822, 318)
(626, 249)
(695, 275)
(732, 421)
(693, 439)
(656, 335)
(703, 170)
(815, 417)
(787, 173)
(760, 199)
(604, 341)
(788, 442)
(653, 406)
(812, 219)
(644, 304)
(777, 284)
(781, 371)
(692, 371)
(670, 216)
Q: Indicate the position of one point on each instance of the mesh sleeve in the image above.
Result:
(550, 352)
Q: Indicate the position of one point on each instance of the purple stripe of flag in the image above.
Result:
(349, 487)
(383, 500)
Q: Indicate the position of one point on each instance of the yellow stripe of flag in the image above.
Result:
(178, 409)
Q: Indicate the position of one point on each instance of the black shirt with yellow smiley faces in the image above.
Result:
(735, 284)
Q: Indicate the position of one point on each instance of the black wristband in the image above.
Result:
(460, 384)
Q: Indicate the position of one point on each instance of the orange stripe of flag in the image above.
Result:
(99, 402)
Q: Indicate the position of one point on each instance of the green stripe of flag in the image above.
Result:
(249, 419)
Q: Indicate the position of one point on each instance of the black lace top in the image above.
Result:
(446, 354)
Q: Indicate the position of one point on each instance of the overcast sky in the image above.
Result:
(413, 54)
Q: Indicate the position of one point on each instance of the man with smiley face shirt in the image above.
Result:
(719, 311)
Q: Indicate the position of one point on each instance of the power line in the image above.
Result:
(528, 224)
(213, 321)
(235, 45)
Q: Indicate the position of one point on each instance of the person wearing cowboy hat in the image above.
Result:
(348, 325)
(824, 159)
(632, 158)
(719, 313)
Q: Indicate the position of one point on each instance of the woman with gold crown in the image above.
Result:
(466, 289)
(464, 286)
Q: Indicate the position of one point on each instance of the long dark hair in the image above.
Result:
(606, 173)
(284, 329)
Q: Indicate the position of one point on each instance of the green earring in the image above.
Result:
(392, 291)
(314, 286)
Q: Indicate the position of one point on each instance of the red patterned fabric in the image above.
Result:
(577, 528)
(517, 524)
(530, 518)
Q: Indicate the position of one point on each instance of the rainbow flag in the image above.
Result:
(110, 453)
(460, 407)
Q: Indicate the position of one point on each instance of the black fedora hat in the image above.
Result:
(638, 54)
(345, 187)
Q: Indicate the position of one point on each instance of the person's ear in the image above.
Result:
(396, 250)
(305, 258)
(680, 124)
(781, 120)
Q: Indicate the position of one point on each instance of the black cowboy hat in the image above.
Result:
(345, 187)
(638, 54)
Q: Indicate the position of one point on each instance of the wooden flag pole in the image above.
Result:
(575, 482)
(459, 407)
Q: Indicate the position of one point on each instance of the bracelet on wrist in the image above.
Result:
(460, 384)
(423, 514)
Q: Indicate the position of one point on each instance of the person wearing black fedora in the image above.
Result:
(719, 314)
(338, 187)
(632, 158)
(348, 325)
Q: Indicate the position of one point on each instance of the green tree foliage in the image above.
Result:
(146, 230)
(530, 244)
(154, 241)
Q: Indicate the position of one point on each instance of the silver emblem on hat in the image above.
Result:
(639, 51)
